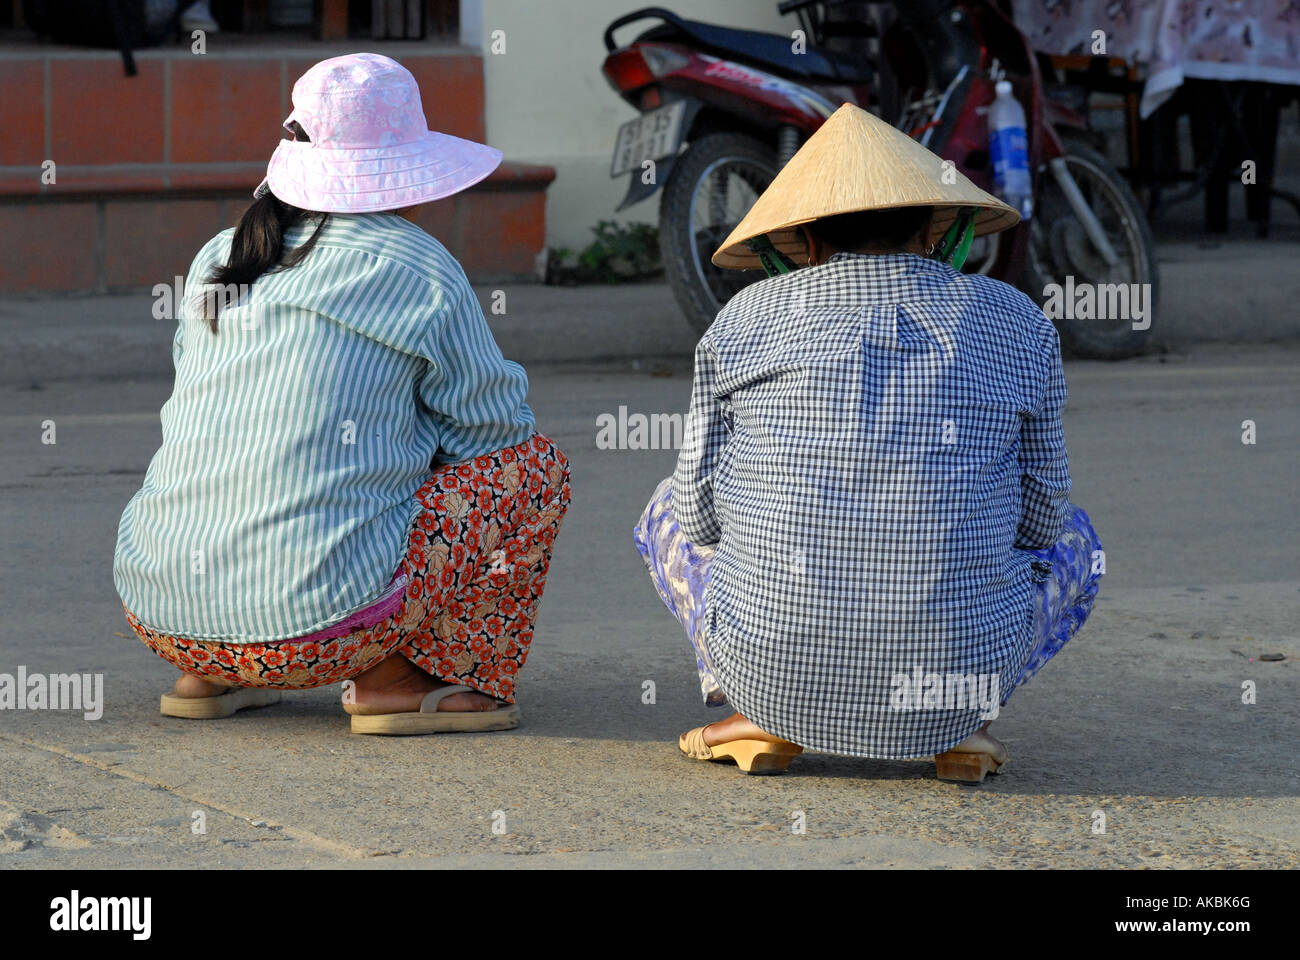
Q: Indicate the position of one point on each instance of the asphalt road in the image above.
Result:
(1140, 719)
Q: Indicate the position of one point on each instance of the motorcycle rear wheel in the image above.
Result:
(1059, 247)
(711, 188)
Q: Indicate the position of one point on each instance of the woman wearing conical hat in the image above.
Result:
(868, 537)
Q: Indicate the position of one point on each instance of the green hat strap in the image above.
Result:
(955, 245)
(952, 249)
(773, 260)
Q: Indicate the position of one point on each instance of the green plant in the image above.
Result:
(620, 252)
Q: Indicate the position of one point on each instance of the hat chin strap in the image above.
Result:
(955, 245)
(773, 260)
(952, 249)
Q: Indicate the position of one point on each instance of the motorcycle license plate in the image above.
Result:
(650, 136)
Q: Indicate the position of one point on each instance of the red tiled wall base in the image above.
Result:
(124, 241)
(76, 107)
(149, 167)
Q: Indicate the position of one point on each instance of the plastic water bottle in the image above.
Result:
(1009, 148)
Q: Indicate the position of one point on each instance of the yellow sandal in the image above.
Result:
(429, 719)
(218, 705)
(971, 760)
(752, 756)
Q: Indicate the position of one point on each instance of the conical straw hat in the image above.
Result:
(856, 162)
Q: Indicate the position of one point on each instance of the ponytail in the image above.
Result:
(258, 247)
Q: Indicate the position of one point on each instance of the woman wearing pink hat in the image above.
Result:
(350, 486)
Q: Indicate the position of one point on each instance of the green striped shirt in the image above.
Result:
(296, 436)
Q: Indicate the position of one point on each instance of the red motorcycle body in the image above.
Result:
(723, 94)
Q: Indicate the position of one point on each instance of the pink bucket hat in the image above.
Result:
(370, 147)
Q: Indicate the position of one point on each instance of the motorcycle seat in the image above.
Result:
(770, 50)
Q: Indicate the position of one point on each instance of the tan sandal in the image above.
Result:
(752, 756)
(219, 705)
(971, 760)
(428, 719)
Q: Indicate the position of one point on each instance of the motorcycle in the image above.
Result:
(741, 102)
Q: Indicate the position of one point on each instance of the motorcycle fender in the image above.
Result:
(638, 191)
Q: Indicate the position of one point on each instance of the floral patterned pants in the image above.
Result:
(680, 571)
(475, 568)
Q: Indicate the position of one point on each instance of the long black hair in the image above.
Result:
(258, 246)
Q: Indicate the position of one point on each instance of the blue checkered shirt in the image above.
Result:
(873, 445)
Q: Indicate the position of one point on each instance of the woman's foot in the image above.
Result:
(981, 741)
(971, 760)
(737, 739)
(190, 687)
(735, 727)
(396, 685)
(196, 698)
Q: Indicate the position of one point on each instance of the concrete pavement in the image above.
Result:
(1141, 719)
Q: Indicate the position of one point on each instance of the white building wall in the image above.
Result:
(548, 102)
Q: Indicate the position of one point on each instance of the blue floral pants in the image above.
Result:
(680, 571)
